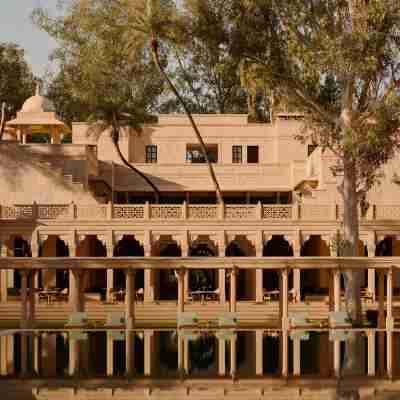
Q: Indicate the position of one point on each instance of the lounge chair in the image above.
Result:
(187, 319)
(228, 320)
(115, 319)
(77, 319)
(339, 319)
(301, 335)
(299, 320)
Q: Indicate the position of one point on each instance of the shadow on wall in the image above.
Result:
(17, 162)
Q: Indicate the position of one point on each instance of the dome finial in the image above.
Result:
(37, 88)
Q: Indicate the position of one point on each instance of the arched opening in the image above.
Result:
(21, 248)
(203, 355)
(315, 281)
(53, 246)
(167, 284)
(95, 280)
(202, 279)
(128, 246)
(277, 246)
(241, 246)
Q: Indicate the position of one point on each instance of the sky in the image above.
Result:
(16, 26)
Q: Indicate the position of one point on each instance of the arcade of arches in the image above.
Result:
(162, 284)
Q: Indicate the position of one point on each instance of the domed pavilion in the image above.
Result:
(38, 115)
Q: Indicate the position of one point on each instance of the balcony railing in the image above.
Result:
(193, 212)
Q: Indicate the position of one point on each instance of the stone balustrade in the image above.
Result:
(197, 212)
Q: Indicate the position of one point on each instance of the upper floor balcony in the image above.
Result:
(192, 212)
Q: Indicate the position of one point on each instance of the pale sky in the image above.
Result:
(16, 26)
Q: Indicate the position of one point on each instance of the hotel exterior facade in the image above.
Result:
(73, 217)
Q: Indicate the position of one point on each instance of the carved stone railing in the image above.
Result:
(202, 212)
(166, 212)
(277, 212)
(192, 212)
(129, 211)
(241, 212)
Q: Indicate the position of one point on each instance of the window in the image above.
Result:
(194, 154)
(252, 154)
(151, 153)
(237, 154)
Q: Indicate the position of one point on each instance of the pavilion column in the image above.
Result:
(371, 353)
(110, 354)
(259, 285)
(181, 355)
(181, 272)
(233, 356)
(7, 355)
(24, 322)
(381, 305)
(36, 355)
(148, 352)
(3, 272)
(221, 286)
(285, 353)
(221, 357)
(259, 351)
(296, 357)
(130, 352)
(389, 300)
(186, 360)
(77, 293)
(130, 298)
(336, 290)
(233, 289)
(296, 246)
(283, 298)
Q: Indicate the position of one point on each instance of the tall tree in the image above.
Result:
(16, 81)
(338, 62)
(107, 71)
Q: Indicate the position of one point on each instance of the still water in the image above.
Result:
(314, 357)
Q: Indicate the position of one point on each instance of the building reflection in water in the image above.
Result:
(324, 359)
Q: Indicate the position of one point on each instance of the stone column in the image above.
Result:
(336, 290)
(371, 353)
(389, 353)
(181, 289)
(389, 300)
(221, 286)
(181, 355)
(7, 355)
(32, 298)
(336, 358)
(285, 353)
(186, 360)
(130, 352)
(3, 272)
(24, 322)
(371, 271)
(296, 246)
(186, 285)
(130, 298)
(148, 352)
(74, 355)
(110, 354)
(259, 351)
(296, 357)
(259, 286)
(381, 305)
(233, 303)
(283, 298)
(110, 284)
(233, 356)
(36, 355)
(221, 357)
(77, 295)
(149, 296)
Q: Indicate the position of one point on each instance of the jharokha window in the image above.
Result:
(252, 154)
(151, 153)
(237, 155)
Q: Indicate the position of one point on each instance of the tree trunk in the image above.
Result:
(3, 120)
(352, 278)
(192, 122)
(140, 173)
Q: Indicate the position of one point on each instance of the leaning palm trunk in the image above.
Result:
(189, 115)
(115, 140)
(3, 120)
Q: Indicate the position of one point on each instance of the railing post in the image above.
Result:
(221, 210)
(72, 210)
(295, 211)
(147, 211)
(109, 210)
(184, 210)
(35, 211)
(259, 212)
